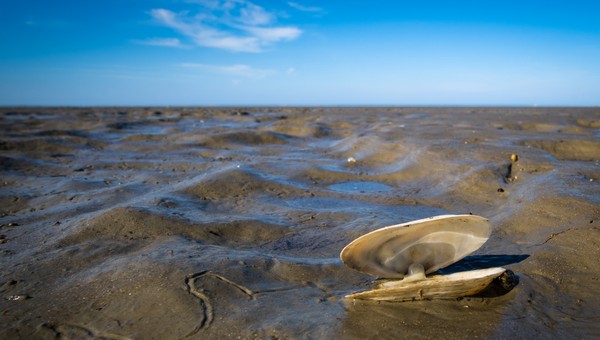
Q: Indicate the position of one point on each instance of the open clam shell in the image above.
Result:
(432, 243)
(435, 287)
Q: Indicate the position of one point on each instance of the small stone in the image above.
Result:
(514, 157)
(351, 160)
(500, 190)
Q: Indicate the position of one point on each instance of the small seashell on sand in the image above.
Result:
(408, 252)
(351, 160)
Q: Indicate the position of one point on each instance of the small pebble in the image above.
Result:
(514, 157)
(351, 160)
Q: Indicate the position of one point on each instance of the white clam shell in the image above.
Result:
(434, 287)
(434, 242)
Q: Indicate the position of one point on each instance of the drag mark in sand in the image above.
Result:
(190, 282)
(559, 233)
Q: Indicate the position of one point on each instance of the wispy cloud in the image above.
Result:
(305, 8)
(238, 70)
(164, 42)
(234, 25)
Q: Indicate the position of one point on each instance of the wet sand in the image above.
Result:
(166, 223)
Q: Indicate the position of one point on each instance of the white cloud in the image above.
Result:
(204, 35)
(234, 25)
(251, 14)
(168, 18)
(237, 70)
(304, 8)
(273, 34)
(165, 42)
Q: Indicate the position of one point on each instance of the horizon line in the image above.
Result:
(296, 105)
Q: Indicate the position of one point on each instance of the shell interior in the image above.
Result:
(434, 243)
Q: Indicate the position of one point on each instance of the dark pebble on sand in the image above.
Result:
(89, 167)
(500, 190)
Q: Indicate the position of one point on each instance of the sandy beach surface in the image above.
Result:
(167, 223)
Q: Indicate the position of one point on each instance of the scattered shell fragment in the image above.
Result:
(410, 251)
(351, 160)
(17, 297)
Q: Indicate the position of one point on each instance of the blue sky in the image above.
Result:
(304, 52)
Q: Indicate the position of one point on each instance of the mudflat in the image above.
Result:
(167, 223)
